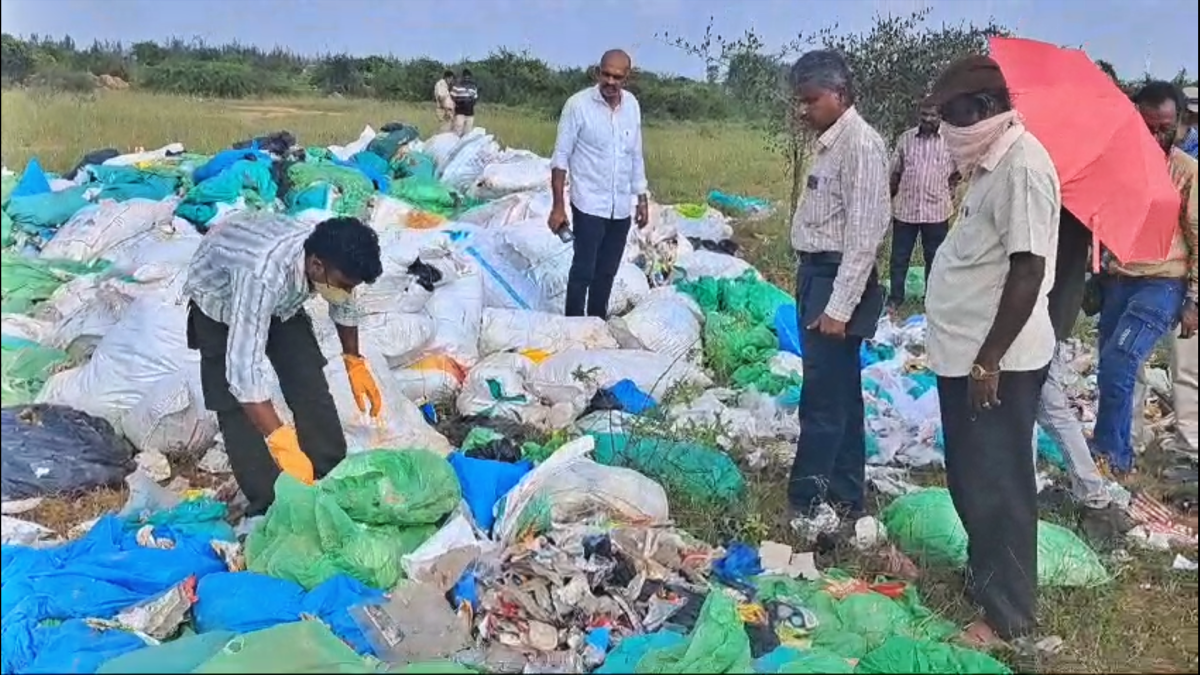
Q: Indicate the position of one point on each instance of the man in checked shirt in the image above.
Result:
(839, 225)
(922, 183)
(247, 284)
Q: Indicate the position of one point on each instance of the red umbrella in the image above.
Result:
(1114, 175)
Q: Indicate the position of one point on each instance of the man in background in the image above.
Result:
(839, 225)
(465, 95)
(922, 183)
(990, 338)
(443, 104)
(1189, 142)
(600, 145)
(1143, 302)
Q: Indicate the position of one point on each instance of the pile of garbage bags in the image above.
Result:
(490, 553)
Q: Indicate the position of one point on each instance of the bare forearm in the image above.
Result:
(348, 336)
(558, 185)
(263, 416)
(1017, 301)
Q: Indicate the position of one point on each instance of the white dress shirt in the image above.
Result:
(601, 150)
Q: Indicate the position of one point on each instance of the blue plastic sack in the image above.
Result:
(225, 159)
(484, 482)
(740, 564)
(76, 647)
(244, 602)
(33, 181)
(96, 576)
(787, 329)
(633, 400)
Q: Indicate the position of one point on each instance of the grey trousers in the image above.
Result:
(1184, 356)
(1057, 417)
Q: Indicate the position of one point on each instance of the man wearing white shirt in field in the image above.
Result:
(600, 144)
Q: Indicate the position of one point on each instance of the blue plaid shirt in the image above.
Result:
(1190, 143)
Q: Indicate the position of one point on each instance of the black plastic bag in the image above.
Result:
(54, 449)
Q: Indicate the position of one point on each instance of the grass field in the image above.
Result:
(1145, 622)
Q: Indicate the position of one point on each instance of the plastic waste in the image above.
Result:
(51, 449)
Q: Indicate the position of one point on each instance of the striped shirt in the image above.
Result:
(248, 269)
(924, 165)
(601, 150)
(846, 207)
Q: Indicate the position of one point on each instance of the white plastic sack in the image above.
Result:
(389, 212)
(507, 280)
(27, 328)
(441, 147)
(503, 178)
(505, 373)
(149, 344)
(575, 488)
(87, 310)
(456, 537)
(90, 234)
(466, 163)
(703, 263)
(428, 382)
(400, 426)
(666, 321)
(574, 376)
(400, 338)
(170, 246)
(712, 226)
(171, 418)
(507, 330)
(345, 152)
(457, 312)
(134, 158)
(513, 208)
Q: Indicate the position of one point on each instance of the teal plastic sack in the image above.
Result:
(25, 367)
(39, 214)
(122, 183)
(371, 510)
(297, 647)
(922, 657)
(432, 668)
(183, 655)
(701, 473)
(415, 165)
(248, 179)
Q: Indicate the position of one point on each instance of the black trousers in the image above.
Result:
(831, 455)
(992, 481)
(599, 247)
(904, 242)
(296, 356)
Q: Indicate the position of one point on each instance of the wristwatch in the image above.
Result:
(978, 372)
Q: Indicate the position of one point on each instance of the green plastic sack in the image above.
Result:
(925, 525)
(1066, 560)
(732, 342)
(718, 643)
(432, 668)
(371, 510)
(386, 145)
(24, 368)
(427, 194)
(297, 647)
(354, 188)
(810, 661)
(7, 236)
(26, 281)
(183, 655)
(922, 657)
(914, 283)
(701, 473)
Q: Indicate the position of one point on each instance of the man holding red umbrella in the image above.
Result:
(1143, 302)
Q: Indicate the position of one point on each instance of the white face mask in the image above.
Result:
(332, 294)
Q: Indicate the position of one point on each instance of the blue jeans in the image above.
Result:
(1136, 314)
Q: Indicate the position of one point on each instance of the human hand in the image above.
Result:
(983, 390)
(829, 327)
(558, 219)
(284, 446)
(642, 214)
(1188, 325)
(362, 385)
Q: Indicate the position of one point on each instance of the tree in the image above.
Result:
(893, 64)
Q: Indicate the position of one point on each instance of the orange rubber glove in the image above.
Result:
(285, 450)
(362, 385)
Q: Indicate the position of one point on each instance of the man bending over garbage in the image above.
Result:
(247, 286)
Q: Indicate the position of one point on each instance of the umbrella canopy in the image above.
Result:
(1114, 175)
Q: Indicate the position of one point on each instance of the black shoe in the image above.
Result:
(1105, 525)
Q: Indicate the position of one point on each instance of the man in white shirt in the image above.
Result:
(990, 338)
(600, 145)
(443, 102)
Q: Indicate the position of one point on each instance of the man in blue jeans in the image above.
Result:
(1143, 302)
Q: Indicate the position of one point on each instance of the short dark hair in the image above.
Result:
(448, 73)
(466, 72)
(348, 246)
(1157, 92)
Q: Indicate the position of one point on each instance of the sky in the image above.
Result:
(1135, 35)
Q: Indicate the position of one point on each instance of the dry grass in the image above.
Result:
(1146, 622)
